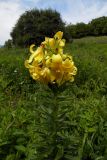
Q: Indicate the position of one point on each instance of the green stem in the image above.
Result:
(83, 143)
(55, 112)
(54, 89)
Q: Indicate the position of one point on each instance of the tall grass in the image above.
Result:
(26, 107)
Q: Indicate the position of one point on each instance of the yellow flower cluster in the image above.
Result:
(48, 64)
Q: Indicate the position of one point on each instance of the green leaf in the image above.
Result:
(20, 148)
(91, 130)
(59, 153)
(10, 157)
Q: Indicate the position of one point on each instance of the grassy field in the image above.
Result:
(26, 124)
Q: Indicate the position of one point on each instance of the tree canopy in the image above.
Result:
(34, 25)
(97, 27)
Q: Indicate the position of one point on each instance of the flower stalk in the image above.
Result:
(49, 65)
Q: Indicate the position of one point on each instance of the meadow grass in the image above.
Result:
(25, 107)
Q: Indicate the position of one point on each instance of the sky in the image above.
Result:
(72, 11)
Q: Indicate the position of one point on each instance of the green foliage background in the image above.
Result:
(97, 27)
(37, 125)
(34, 25)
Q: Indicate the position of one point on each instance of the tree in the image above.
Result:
(34, 25)
(104, 31)
(79, 30)
(8, 44)
(71, 31)
(98, 26)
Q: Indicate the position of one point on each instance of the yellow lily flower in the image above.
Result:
(48, 64)
(58, 35)
(49, 42)
(46, 75)
(37, 55)
(56, 58)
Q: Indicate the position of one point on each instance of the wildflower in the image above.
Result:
(48, 63)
